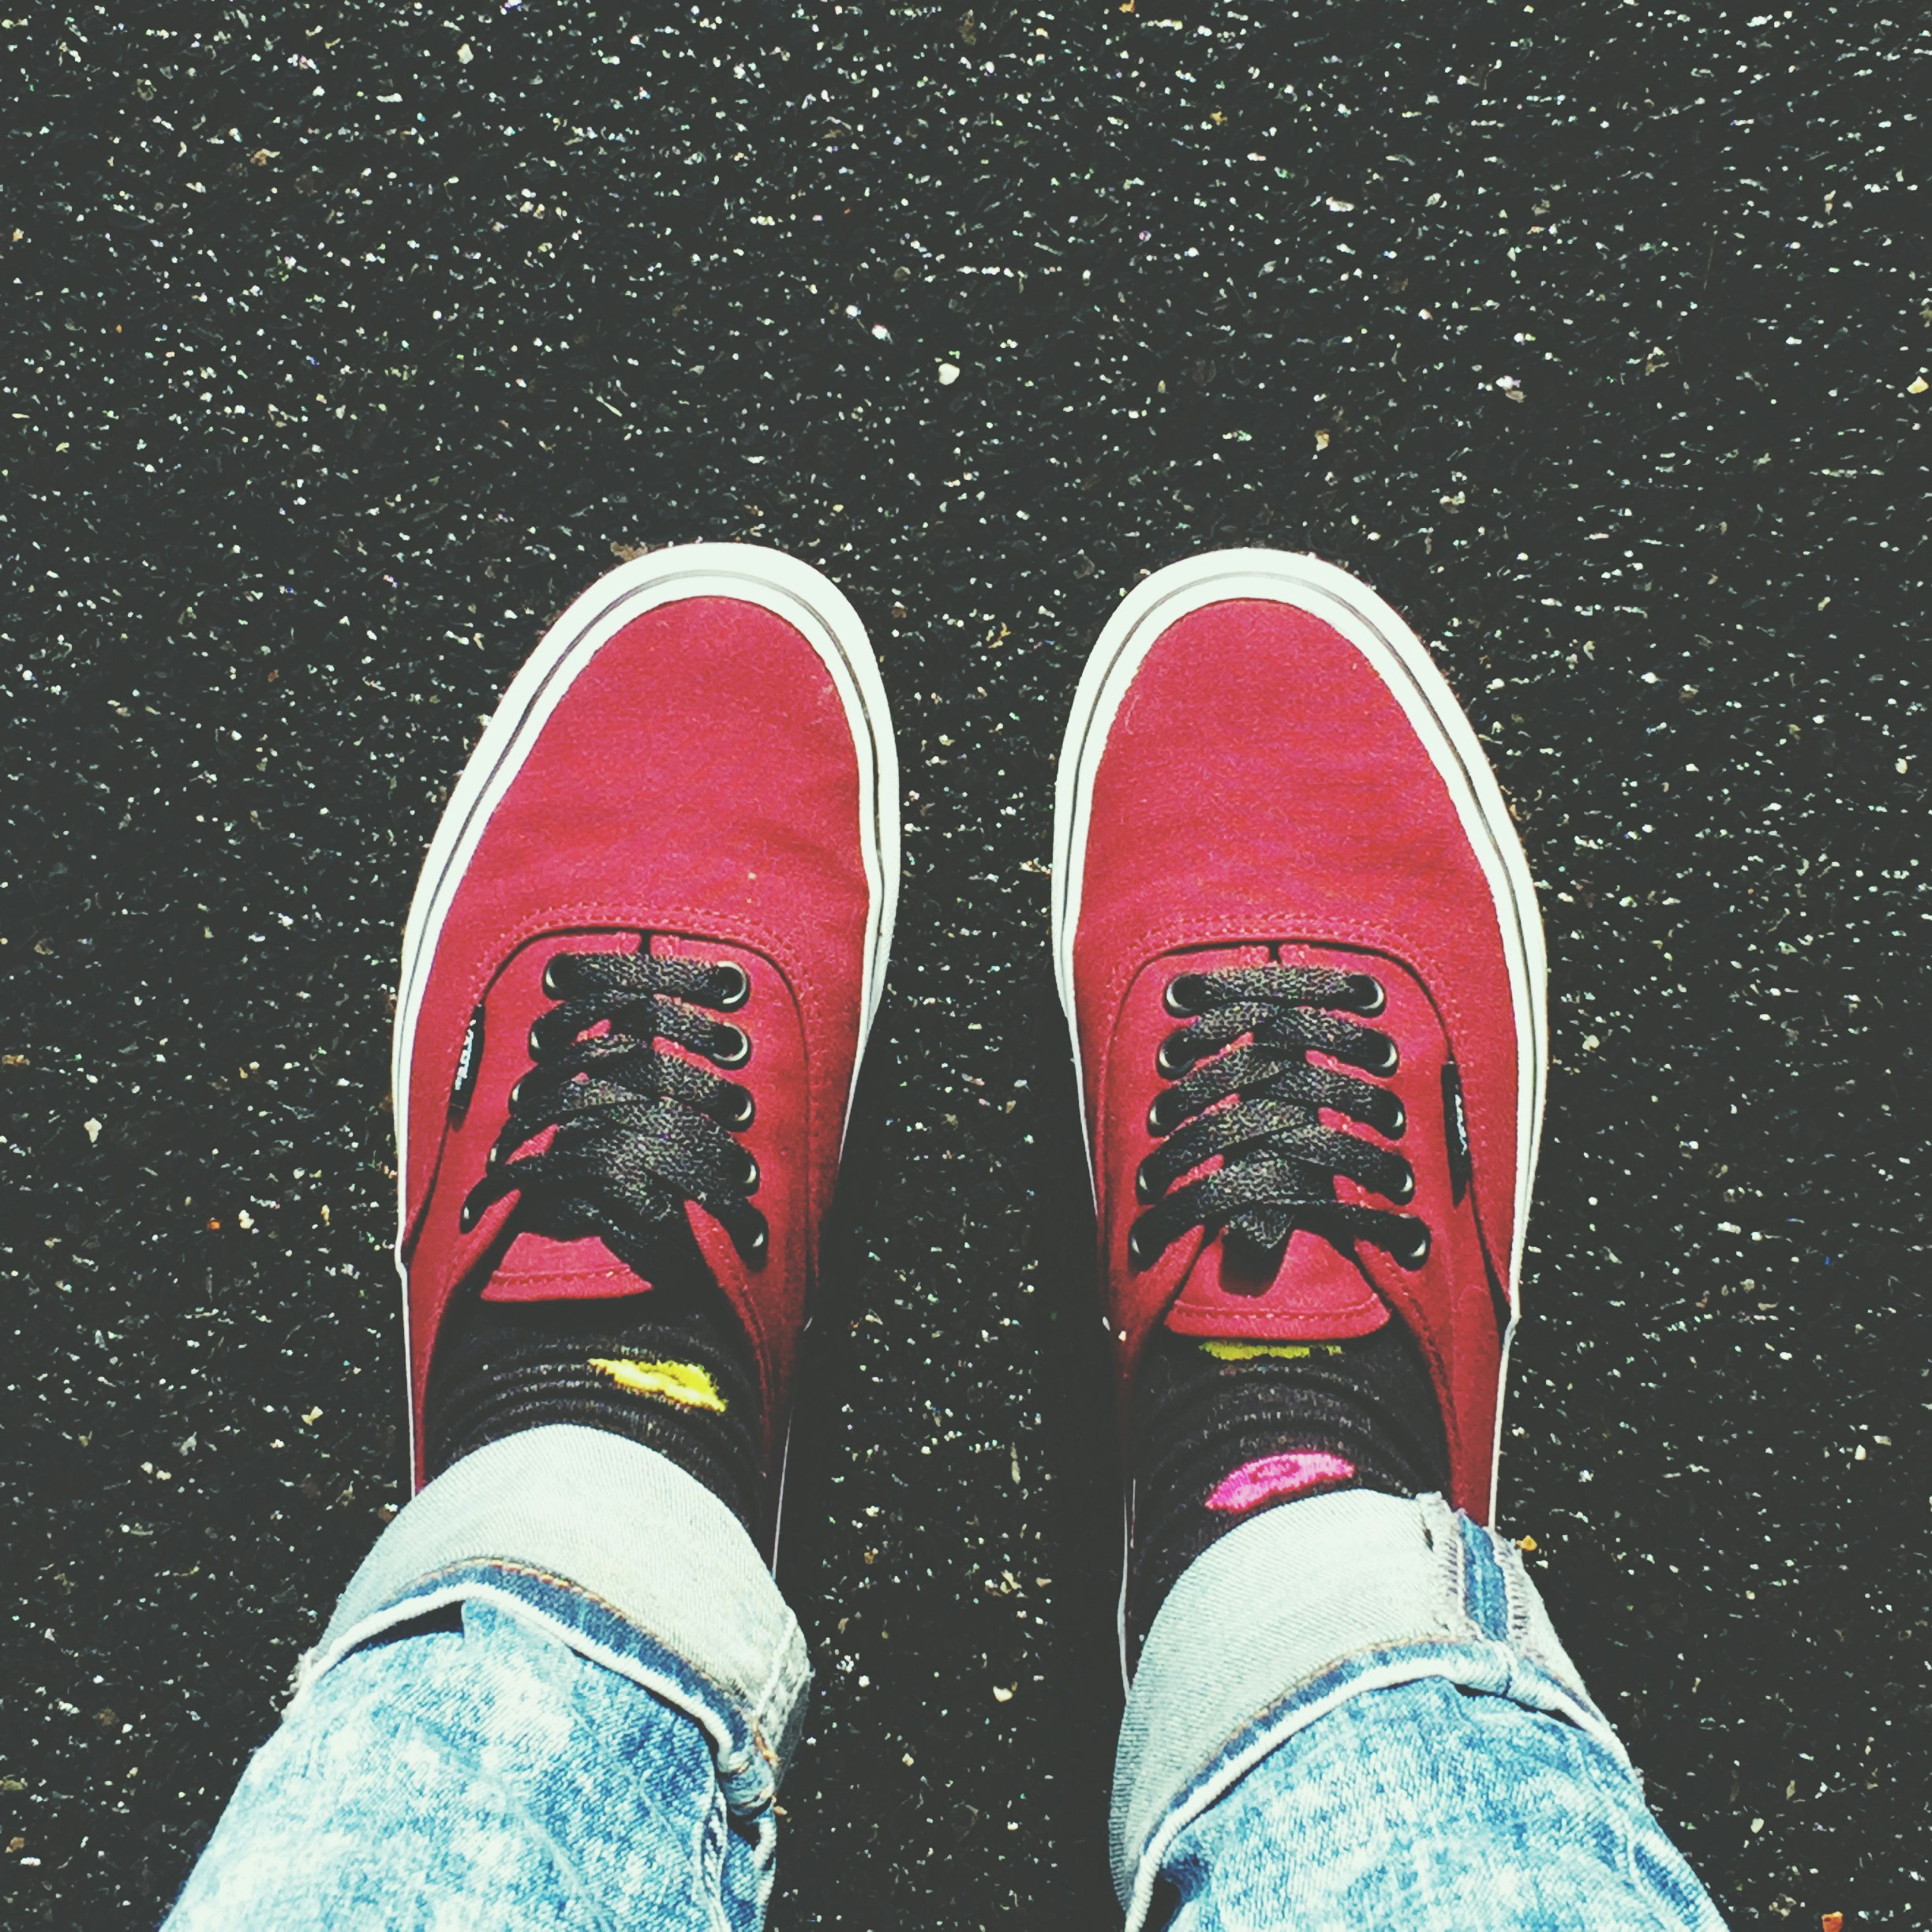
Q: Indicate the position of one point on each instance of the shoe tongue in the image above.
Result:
(535, 1268)
(1317, 1293)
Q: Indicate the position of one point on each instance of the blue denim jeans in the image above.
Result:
(563, 1691)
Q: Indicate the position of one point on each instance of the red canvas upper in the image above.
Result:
(1262, 797)
(695, 791)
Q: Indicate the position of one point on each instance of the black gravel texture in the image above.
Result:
(346, 342)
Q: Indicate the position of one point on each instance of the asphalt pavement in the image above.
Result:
(346, 342)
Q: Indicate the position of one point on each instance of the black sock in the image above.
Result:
(1361, 1413)
(669, 1368)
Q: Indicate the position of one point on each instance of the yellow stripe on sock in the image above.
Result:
(1281, 1351)
(683, 1382)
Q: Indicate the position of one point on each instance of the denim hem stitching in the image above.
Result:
(749, 1772)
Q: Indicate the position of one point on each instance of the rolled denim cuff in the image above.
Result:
(620, 1554)
(1304, 1607)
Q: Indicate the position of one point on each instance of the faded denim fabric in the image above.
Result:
(1423, 1808)
(593, 1519)
(470, 1772)
(561, 1691)
(1351, 1715)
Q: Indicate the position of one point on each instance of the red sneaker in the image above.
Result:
(1297, 943)
(647, 946)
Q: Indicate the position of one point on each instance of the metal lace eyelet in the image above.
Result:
(749, 1180)
(1145, 1188)
(533, 1045)
(1399, 1120)
(733, 986)
(731, 1046)
(552, 987)
(758, 1246)
(1182, 997)
(469, 1215)
(1175, 1057)
(1140, 1250)
(745, 1111)
(1366, 996)
(1389, 1060)
(1418, 1252)
(1403, 1192)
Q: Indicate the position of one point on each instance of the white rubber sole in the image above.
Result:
(1399, 658)
(805, 599)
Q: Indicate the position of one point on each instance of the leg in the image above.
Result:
(562, 1690)
(484, 1744)
(1297, 941)
(1432, 1762)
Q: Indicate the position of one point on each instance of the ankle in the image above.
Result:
(667, 1368)
(1224, 1430)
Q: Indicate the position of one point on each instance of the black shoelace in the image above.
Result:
(1278, 1163)
(639, 1131)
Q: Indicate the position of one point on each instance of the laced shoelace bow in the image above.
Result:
(638, 1131)
(1256, 1105)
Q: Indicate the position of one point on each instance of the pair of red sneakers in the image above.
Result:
(1292, 930)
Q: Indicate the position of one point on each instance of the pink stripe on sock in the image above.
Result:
(1270, 1478)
